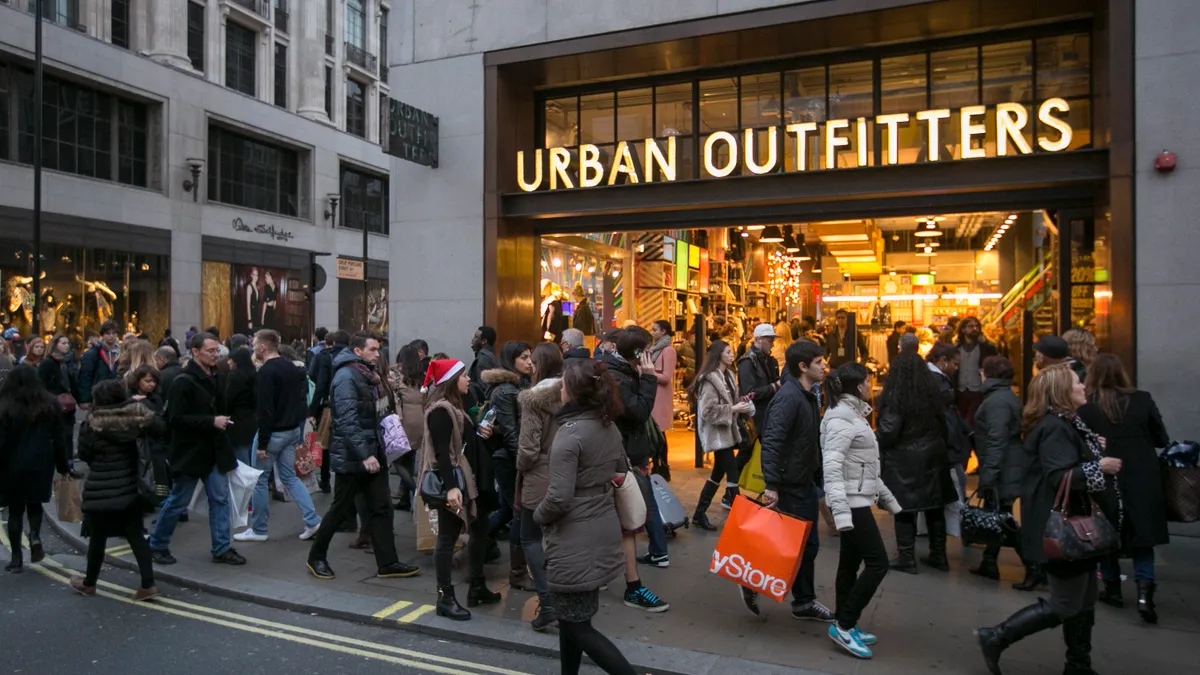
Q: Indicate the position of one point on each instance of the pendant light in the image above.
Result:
(771, 235)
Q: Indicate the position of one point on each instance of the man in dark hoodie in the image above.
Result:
(358, 460)
(322, 377)
(758, 376)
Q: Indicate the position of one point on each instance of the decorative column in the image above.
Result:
(168, 33)
(309, 43)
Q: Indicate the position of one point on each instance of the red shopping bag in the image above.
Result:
(760, 548)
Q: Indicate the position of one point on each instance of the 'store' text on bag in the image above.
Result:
(736, 567)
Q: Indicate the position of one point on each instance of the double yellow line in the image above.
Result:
(280, 631)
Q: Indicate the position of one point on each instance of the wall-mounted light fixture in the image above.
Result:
(331, 212)
(192, 185)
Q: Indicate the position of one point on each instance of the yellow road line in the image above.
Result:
(391, 609)
(415, 614)
(162, 607)
(330, 637)
(118, 551)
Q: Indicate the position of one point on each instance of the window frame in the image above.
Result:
(356, 112)
(280, 66)
(196, 33)
(234, 184)
(349, 209)
(121, 19)
(235, 55)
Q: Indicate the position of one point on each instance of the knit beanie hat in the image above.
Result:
(441, 371)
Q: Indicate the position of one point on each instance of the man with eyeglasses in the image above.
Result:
(199, 452)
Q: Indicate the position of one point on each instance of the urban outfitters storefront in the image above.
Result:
(838, 138)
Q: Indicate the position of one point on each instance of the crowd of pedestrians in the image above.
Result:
(529, 444)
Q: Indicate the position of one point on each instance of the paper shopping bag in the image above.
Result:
(325, 428)
(426, 521)
(751, 479)
(760, 548)
(68, 499)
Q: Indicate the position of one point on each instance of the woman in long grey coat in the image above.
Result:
(581, 532)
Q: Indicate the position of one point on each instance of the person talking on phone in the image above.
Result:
(200, 451)
(718, 406)
(758, 374)
(358, 460)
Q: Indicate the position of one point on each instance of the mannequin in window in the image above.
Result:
(253, 303)
(553, 321)
(104, 297)
(584, 319)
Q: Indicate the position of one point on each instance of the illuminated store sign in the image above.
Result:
(816, 145)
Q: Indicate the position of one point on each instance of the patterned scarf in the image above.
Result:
(1091, 470)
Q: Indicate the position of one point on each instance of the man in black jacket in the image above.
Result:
(483, 343)
(168, 369)
(99, 363)
(356, 452)
(840, 352)
(199, 452)
(322, 377)
(758, 374)
(791, 461)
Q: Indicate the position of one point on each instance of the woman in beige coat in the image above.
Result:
(718, 407)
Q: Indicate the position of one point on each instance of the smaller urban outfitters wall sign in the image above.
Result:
(278, 234)
(412, 134)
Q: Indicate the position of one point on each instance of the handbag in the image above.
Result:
(434, 492)
(67, 402)
(631, 504)
(988, 525)
(151, 483)
(1068, 537)
(395, 439)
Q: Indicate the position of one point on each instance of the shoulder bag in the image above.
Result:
(1068, 538)
(631, 504)
(433, 491)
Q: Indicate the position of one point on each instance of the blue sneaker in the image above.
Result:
(848, 640)
(863, 636)
(644, 600)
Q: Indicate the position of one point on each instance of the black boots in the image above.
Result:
(1077, 634)
(906, 544)
(447, 605)
(1145, 601)
(1111, 594)
(700, 518)
(1025, 622)
(479, 594)
(937, 546)
(518, 573)
(1034, 576)
(988, 567)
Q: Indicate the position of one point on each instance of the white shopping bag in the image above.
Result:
(241, 489)
(954, 510)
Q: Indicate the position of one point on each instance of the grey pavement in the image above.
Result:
(924, 622)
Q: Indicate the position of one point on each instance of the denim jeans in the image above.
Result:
(244, 454)
(804, 590)
(1143, 565)
(654, 523)
(216, 488)
(505, 471)
(281, 453)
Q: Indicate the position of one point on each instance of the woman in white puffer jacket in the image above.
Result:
(852, 486)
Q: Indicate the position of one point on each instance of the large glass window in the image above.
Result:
(329, 92)
(364, 201)
(955, 75)
(247, 172)
(132, 133)
(239, 58)
(356, 22)
(804, 96)
(1008, 72)
(356, 108)
(61, 12)
(281, 75)
(195, 35)
(383, 44)
(120, 23)
(851, 96)
(902, 84)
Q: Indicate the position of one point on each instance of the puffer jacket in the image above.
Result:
(637, 394)
(1002, 458)
(716, 419)
(108, 442)
(355, 432)
(851, 462)
(580, 530)
(539, 404)
(791, 438)
(501, 389)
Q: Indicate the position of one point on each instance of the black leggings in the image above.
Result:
(724, 466)
(16, 523)
(577, 638)
(129, 525)
(449, 527)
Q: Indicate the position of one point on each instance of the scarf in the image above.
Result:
(659, 345)
(1091, 470)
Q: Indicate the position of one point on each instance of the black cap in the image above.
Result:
(1053, 347)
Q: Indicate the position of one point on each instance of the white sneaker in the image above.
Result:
(310, 532)
(249, 535)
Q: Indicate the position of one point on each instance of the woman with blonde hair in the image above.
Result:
(1061, 446)
(1082, 346)
(134, 354)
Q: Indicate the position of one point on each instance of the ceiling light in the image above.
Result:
(892, 273)
(940, 218)
(557, 262)
(771, 235)
(928, 233)
(1012, 216)
(928, 249)
(848, 298)
(755, 228)
(835, 238)
(816, 268)
(745, 234)
(857, 251)
(921, 219)
(856, 259)
(971, 296)
(789, 243)
(926, 255)
(909, 297)
(934, 244)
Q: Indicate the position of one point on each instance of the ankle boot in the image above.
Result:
(1111, 594)
(447, 605)
(937, 547)
(1145, 601)
(1077, 634)
(1034, 576)
(988, 566)
(518, 573)
(1025, 622)
(906, 544)
(700, 518)
(479, 594)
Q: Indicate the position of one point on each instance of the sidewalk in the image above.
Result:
(924, 622)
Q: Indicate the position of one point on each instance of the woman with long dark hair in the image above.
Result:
(912, 441)
(444, 450)
(33, 445)
(407, 375)
(503, 385)
(850, 461)
(240, 389)
(1058, 441)
(55, 373)
(1129, 421)
(579, 514)
(715, 395)
(538, 404)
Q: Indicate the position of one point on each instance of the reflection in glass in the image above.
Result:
(955, 77)
(562, 122)
(760, 100)
(804, 91)
(902, 84)
(634, 114)
(597, 118)
(719, 105)
(673, 109)
(1008, 72)
(851, 90)
(1064, 66)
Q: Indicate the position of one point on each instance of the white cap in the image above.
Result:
(764, 330)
